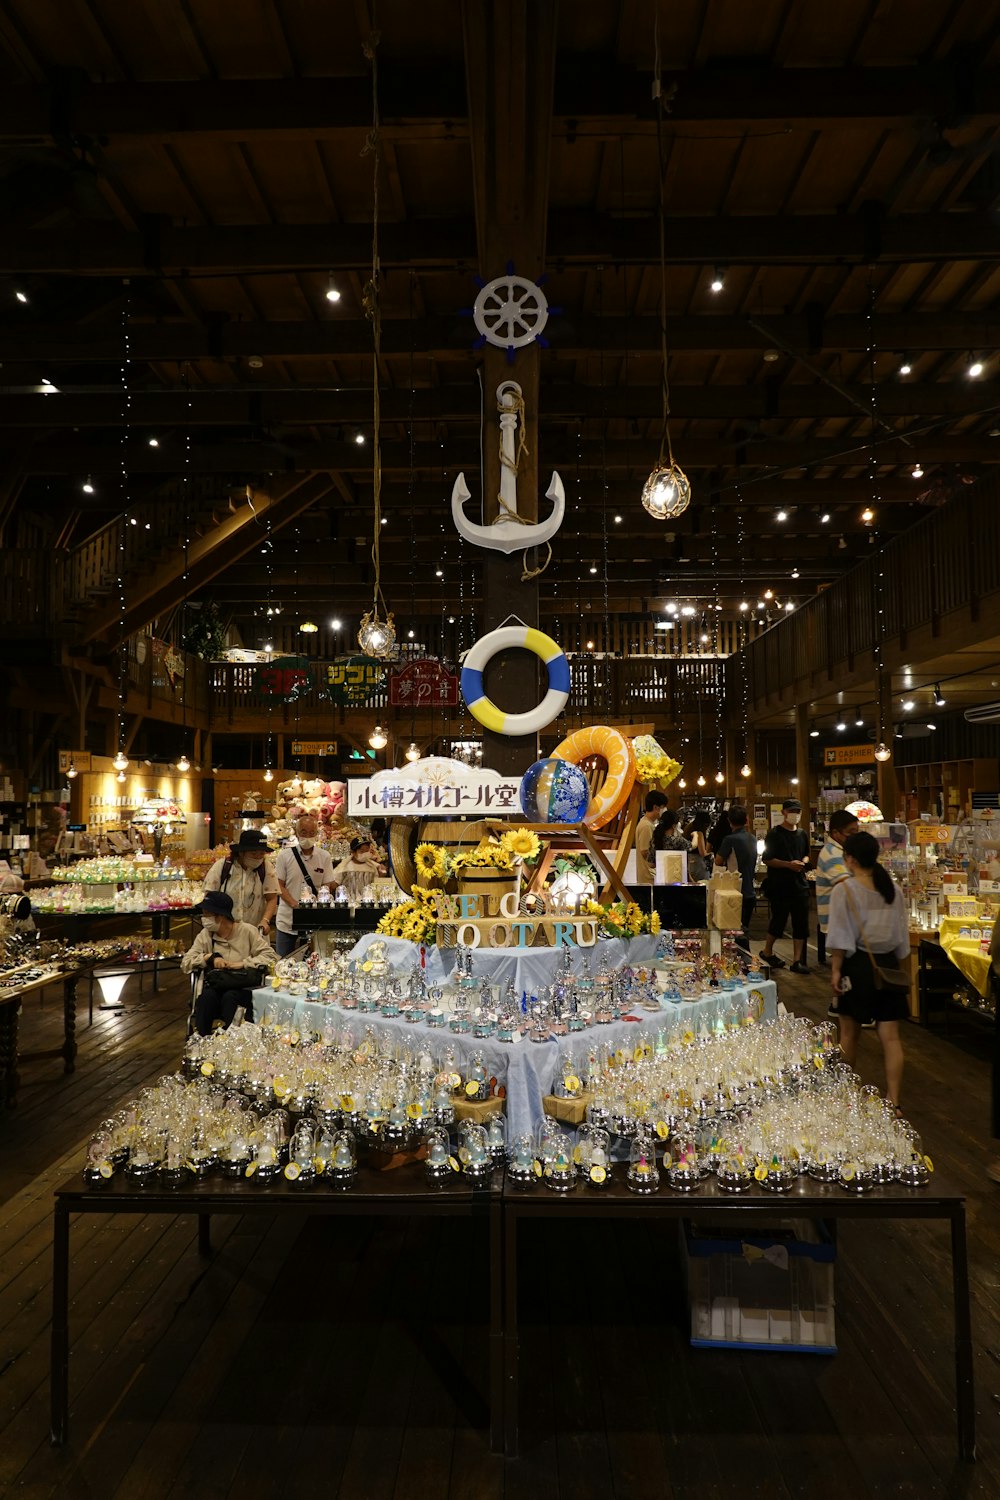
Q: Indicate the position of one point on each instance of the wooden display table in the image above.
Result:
(806, 1199)
(401, 1191)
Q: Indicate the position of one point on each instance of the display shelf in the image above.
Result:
(943, 788)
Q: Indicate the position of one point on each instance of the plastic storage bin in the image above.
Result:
(772, 1289)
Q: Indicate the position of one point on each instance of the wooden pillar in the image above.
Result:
(885, 771)
(802, 755)
(510, 62)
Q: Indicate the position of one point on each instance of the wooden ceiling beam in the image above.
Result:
(591, 94)
(569, 335)
(575, 237)
(560, 451)
(308, 406)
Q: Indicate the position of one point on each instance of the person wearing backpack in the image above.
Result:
(246, 875)
(298, 867)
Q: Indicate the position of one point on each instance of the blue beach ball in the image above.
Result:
(554, 791)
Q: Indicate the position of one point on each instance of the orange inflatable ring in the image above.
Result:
(617, 750)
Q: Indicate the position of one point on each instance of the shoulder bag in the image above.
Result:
(883, 978)
(234, 979)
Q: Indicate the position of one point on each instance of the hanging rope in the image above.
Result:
(504, 511)
(373, 312)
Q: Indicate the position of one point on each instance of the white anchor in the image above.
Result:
(507, 533)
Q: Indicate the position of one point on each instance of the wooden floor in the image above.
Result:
(350, 1360)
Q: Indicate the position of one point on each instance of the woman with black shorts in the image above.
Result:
(869, 927)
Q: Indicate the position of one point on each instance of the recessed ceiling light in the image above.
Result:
(905, 369)
(334, 624)
(359, 438)
(782, 515)
(824, 517)
(618, 520)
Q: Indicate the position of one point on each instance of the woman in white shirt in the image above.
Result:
(868, 926)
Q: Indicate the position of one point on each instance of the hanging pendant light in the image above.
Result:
(269, 774)
(745, 771)
(667, 492)
(71, 771)
(120, 761)
(183, 764)
(701, 781)
(378, 739)
(377, 634)
(882, 752)
(413, 753)
(720, 777)
(121, 776)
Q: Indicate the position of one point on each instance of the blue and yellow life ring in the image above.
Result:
(481, 708)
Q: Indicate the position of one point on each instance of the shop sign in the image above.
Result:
(426, 683)
(81, 759)
(406, 793)
(286, 677)
(352, 680)
(314, 747)
(848, 755)
(932, 833)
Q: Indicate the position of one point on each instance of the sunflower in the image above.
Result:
(430, 864)
(521, 843)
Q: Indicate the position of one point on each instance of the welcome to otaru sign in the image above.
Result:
(473, 921)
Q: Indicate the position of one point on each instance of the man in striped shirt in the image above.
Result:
(830, 871)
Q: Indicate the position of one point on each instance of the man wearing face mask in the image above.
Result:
(298, 867)
(786, 850)
(246, 876)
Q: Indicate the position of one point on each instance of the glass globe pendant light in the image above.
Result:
(120, 761)
(378, 739)
(882, 752)
(413, 752)
(377, 633)
(667, 492)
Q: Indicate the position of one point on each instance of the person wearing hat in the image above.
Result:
(248, 876)
(786, 855)
(359, 869)
(224, 943)
(299, 866)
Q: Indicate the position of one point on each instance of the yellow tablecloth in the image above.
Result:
(965, 955)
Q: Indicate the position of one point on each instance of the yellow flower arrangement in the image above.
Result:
(487, 855)
(431, 864)
(657, 771)
(522, 843)
(415, 920)
(623, 919)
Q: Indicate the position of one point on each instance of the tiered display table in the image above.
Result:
(525, 1068)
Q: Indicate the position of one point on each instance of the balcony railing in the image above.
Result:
(946, 563)
(603, 687)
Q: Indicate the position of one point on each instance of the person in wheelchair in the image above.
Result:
(231, 957)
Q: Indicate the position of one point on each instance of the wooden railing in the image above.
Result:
(603, 687)
(29, 590)
(130, 542)
(946, 563)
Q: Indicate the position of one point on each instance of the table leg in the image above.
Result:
(59, 1360)
(9, 1077)
(965, 1396)
(204, 1234)
(69, 1022)
(496, 1325)
(510, 1339)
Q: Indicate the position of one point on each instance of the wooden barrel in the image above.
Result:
(406, 833)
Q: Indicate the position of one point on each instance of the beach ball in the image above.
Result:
(554, 791)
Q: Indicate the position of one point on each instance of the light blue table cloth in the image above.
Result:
(525, 1068)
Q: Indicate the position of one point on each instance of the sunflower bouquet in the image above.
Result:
(516, 846)
(432, 864)
(623, 919)
(415, 920)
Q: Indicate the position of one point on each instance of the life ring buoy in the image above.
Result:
(481, 708)
(616, 749)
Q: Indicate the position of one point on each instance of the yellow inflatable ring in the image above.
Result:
(617, 750)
